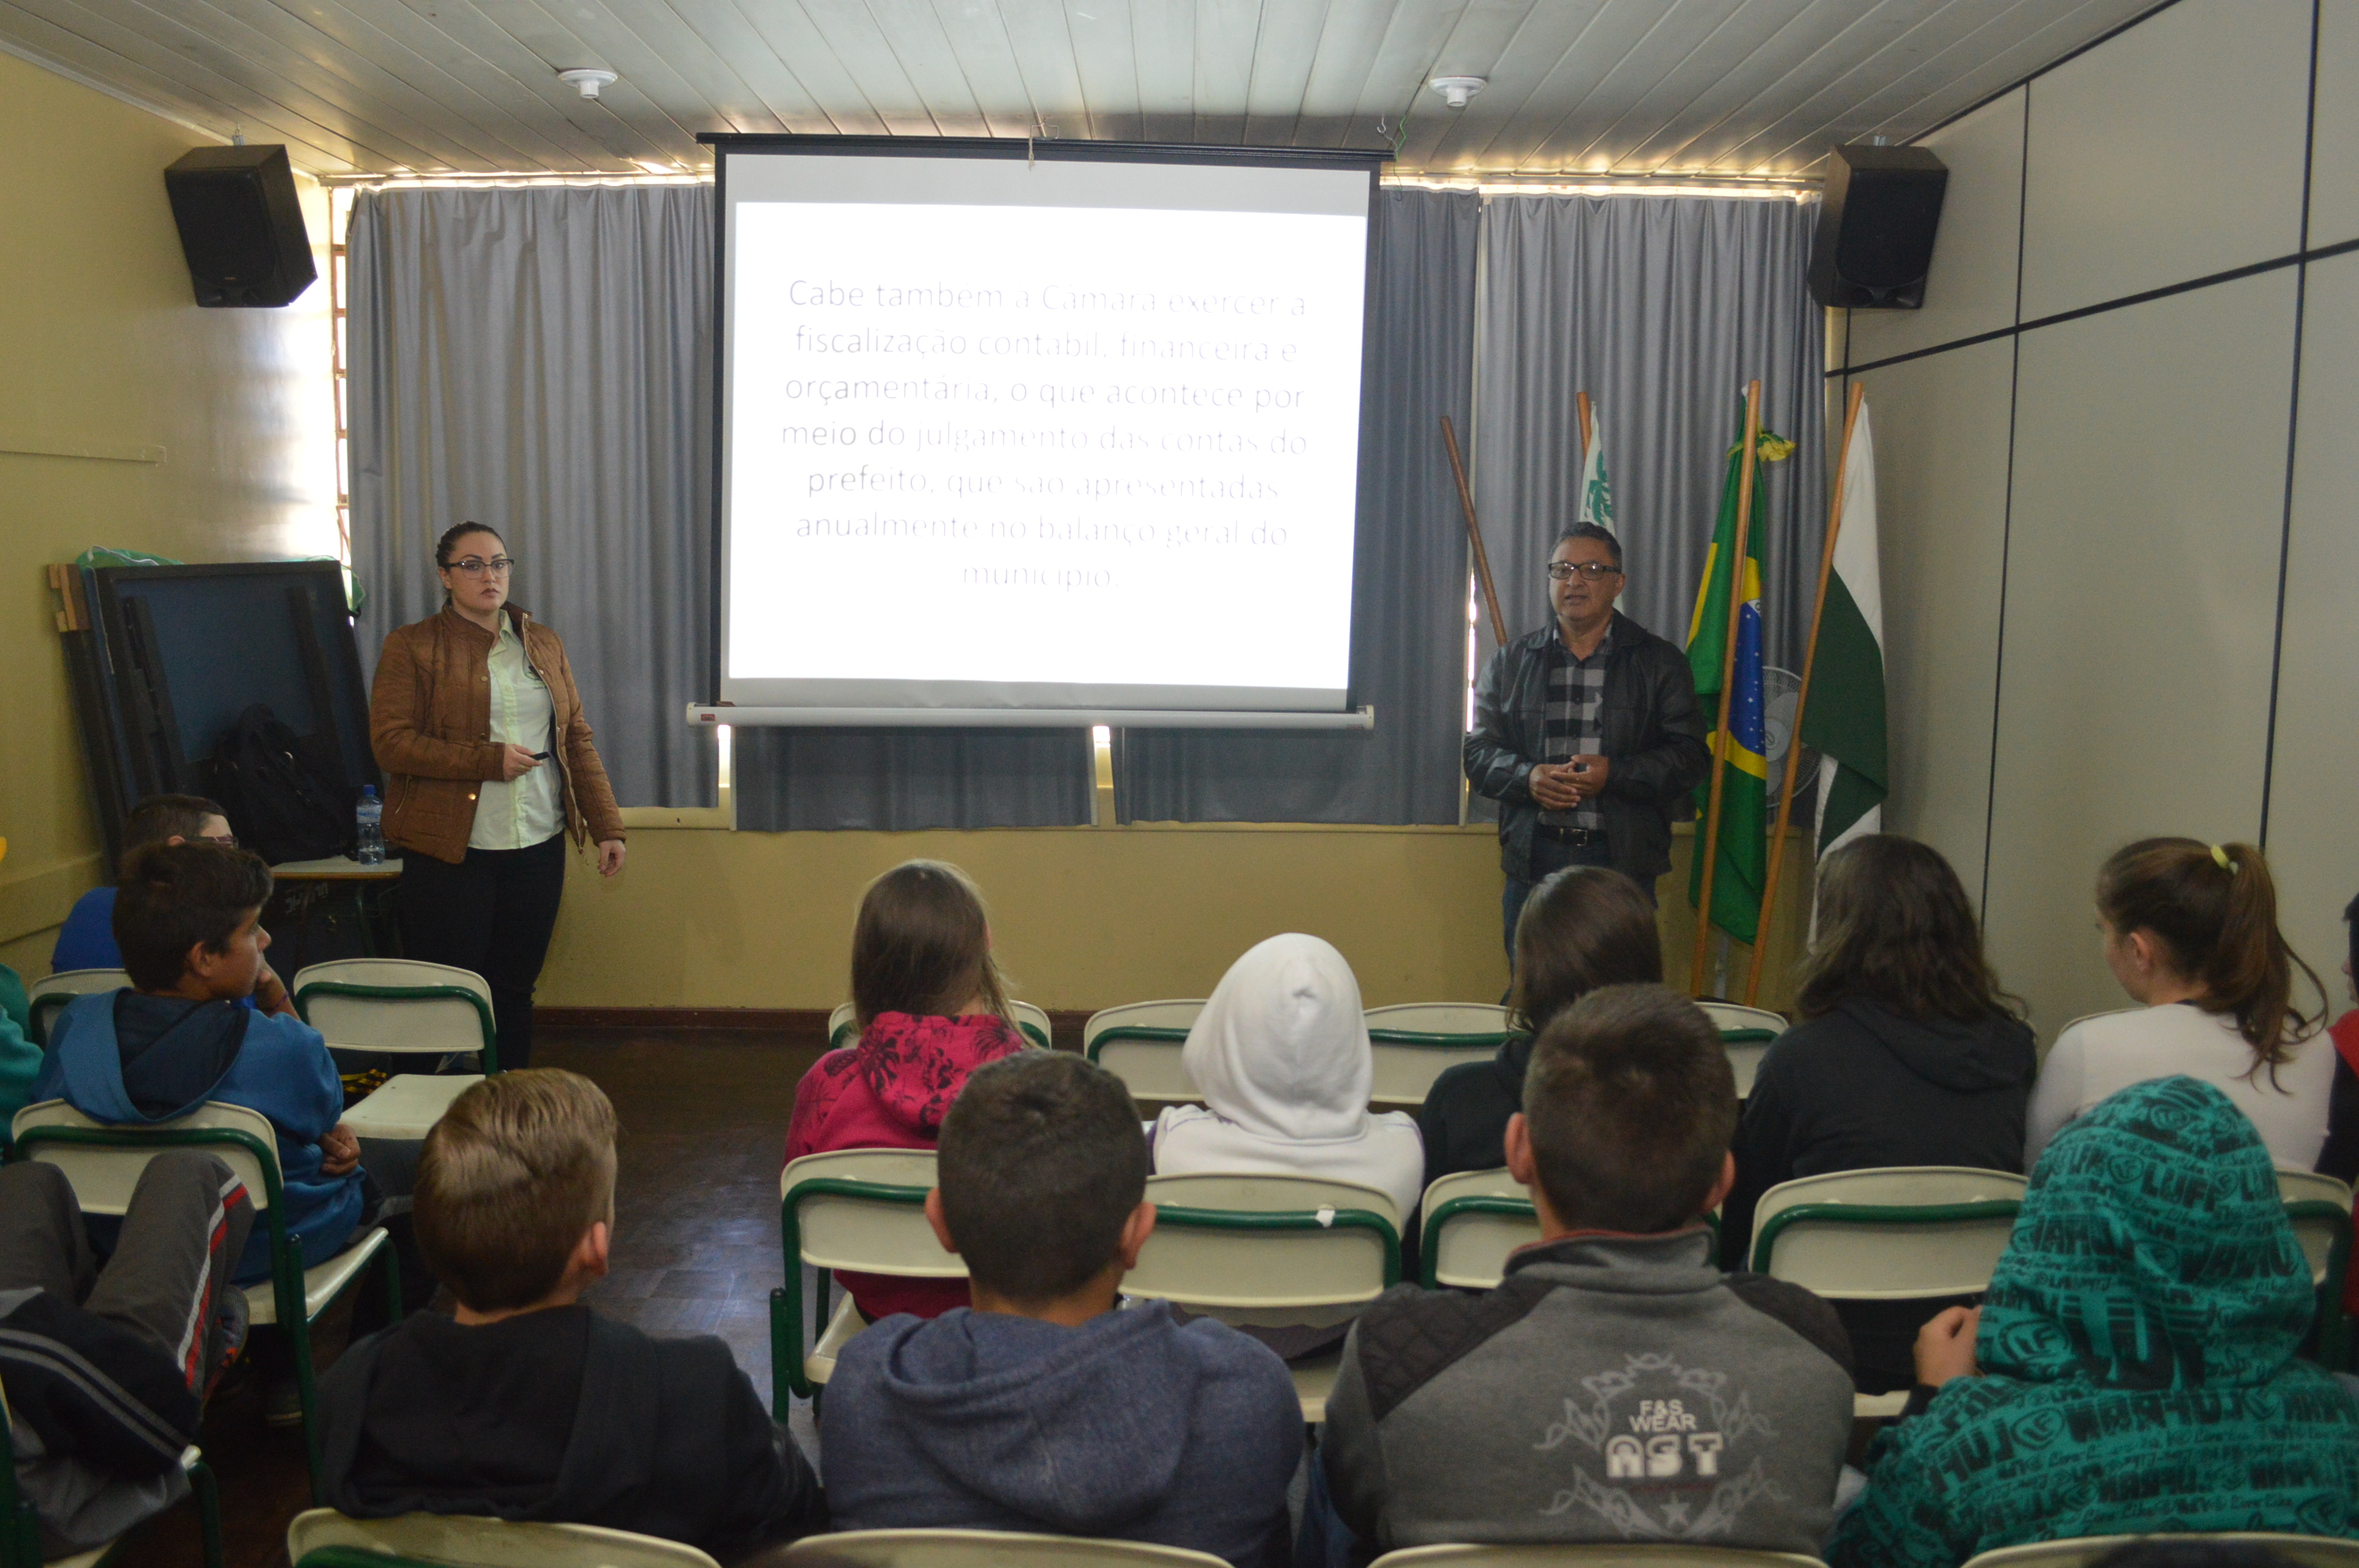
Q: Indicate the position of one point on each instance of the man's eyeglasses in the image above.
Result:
(226, 840)
(1564, 571)
(475, 566)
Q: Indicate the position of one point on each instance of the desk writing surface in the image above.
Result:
(335, 869)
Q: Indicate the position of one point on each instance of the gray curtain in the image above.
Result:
(1408, 601)
(897, 779)
(539, 360)
(1661, 308)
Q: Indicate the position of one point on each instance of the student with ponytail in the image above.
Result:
(2190, 931)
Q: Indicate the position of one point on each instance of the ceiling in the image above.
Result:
(1724, 89)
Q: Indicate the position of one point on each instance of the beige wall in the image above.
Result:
(204, 434)
(2084, 520)
(1083, 917)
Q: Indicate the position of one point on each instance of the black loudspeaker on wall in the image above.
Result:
(1877, 225)
(241, 225)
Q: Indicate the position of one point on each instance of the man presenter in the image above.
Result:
(1586, 732)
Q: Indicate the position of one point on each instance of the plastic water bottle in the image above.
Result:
(368, 818)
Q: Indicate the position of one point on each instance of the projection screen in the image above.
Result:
(1041, 435)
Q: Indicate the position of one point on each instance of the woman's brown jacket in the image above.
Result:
(431, 725)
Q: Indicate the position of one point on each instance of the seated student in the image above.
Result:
(188, 919)
(2340, 1158)
(932, 1009)
(86, 941)
(1583, 927)
(97, 1454)
(20, 1059)
(1281, 1054)
(2190, 931)
(1044, 1409)
(2133, 1368)
(1907, 1053)
(1616, 1386)
(525, 1404)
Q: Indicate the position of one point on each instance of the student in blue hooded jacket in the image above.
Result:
(189, 920)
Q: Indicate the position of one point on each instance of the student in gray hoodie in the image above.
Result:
(1042, 1408)
(1615, 1387)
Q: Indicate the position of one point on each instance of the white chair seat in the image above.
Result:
(841, 1330)
(984, 1549)
(1878, 1407)
(2306, 1550)
(1469, 1250)
(1603, 1554)
(321, 1283)
(469, 1543)
(407, 1105)
(1314, 1380)
(81, 1558)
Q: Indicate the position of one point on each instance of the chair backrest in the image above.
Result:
(1617, 1554)
(1415, 1041)
(1473, 1220)
(397, 1004)
(985, 1549)
(1140, 1043)
(865, 1209)
(49, 996)
(2307, 1551)
(1892, 1233)
(844, 1024)
(323, 1538)
(1745, 1033)
(103, 1162)
(1267, 1249)
(2318, 1207)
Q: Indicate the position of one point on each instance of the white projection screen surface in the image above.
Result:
(1054, 436)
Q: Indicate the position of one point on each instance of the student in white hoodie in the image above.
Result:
(2190, 931)
(1281, 1054)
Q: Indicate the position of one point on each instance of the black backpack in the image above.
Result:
(282, 802)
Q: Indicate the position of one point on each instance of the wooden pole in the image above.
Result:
(1709, 845)
(1802, 699)
(1474, 535)
(1588, 427)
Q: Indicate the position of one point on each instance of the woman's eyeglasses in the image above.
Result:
(475, 566)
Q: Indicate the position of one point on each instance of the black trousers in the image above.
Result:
(492, 912)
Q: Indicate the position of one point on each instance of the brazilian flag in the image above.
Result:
(1744, 847)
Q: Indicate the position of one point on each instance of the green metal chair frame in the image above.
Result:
(41, 1010)
(409, 993)
(285, 1252)
(1766, 1236)
(2334, 1338)
(847, 1032)
(1429, 1232)
(788, 1380)
(20, 1530)
(1150, 1032)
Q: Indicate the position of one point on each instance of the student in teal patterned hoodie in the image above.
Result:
(2133, 1370)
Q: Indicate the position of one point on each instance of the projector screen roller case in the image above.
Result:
(1059, 434)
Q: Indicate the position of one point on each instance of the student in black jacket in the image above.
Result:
(1908, 1054)
(1583, 927)
(528, 1405)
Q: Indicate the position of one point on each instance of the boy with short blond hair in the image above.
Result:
(525, 1404)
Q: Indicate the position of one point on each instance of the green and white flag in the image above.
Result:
(1596, 489)
(1844, 720)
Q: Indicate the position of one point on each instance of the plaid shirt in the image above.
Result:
(1576, 719)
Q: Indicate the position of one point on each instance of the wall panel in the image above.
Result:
(2149, 473)
(2335, 147)
(2171, 152)
(1940, 426)
(2314, 785)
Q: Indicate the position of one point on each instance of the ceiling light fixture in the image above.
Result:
(1458, 90)
(588, 78)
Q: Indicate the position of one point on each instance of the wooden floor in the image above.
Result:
(695, 1248)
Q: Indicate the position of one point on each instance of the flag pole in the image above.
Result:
(1709, 845)
(1474, 535)
(1588, 425)
(1803, 697)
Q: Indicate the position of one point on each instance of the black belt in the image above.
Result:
(1575, 837)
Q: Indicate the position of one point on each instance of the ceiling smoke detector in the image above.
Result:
(1458, 90)
(588, 80)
